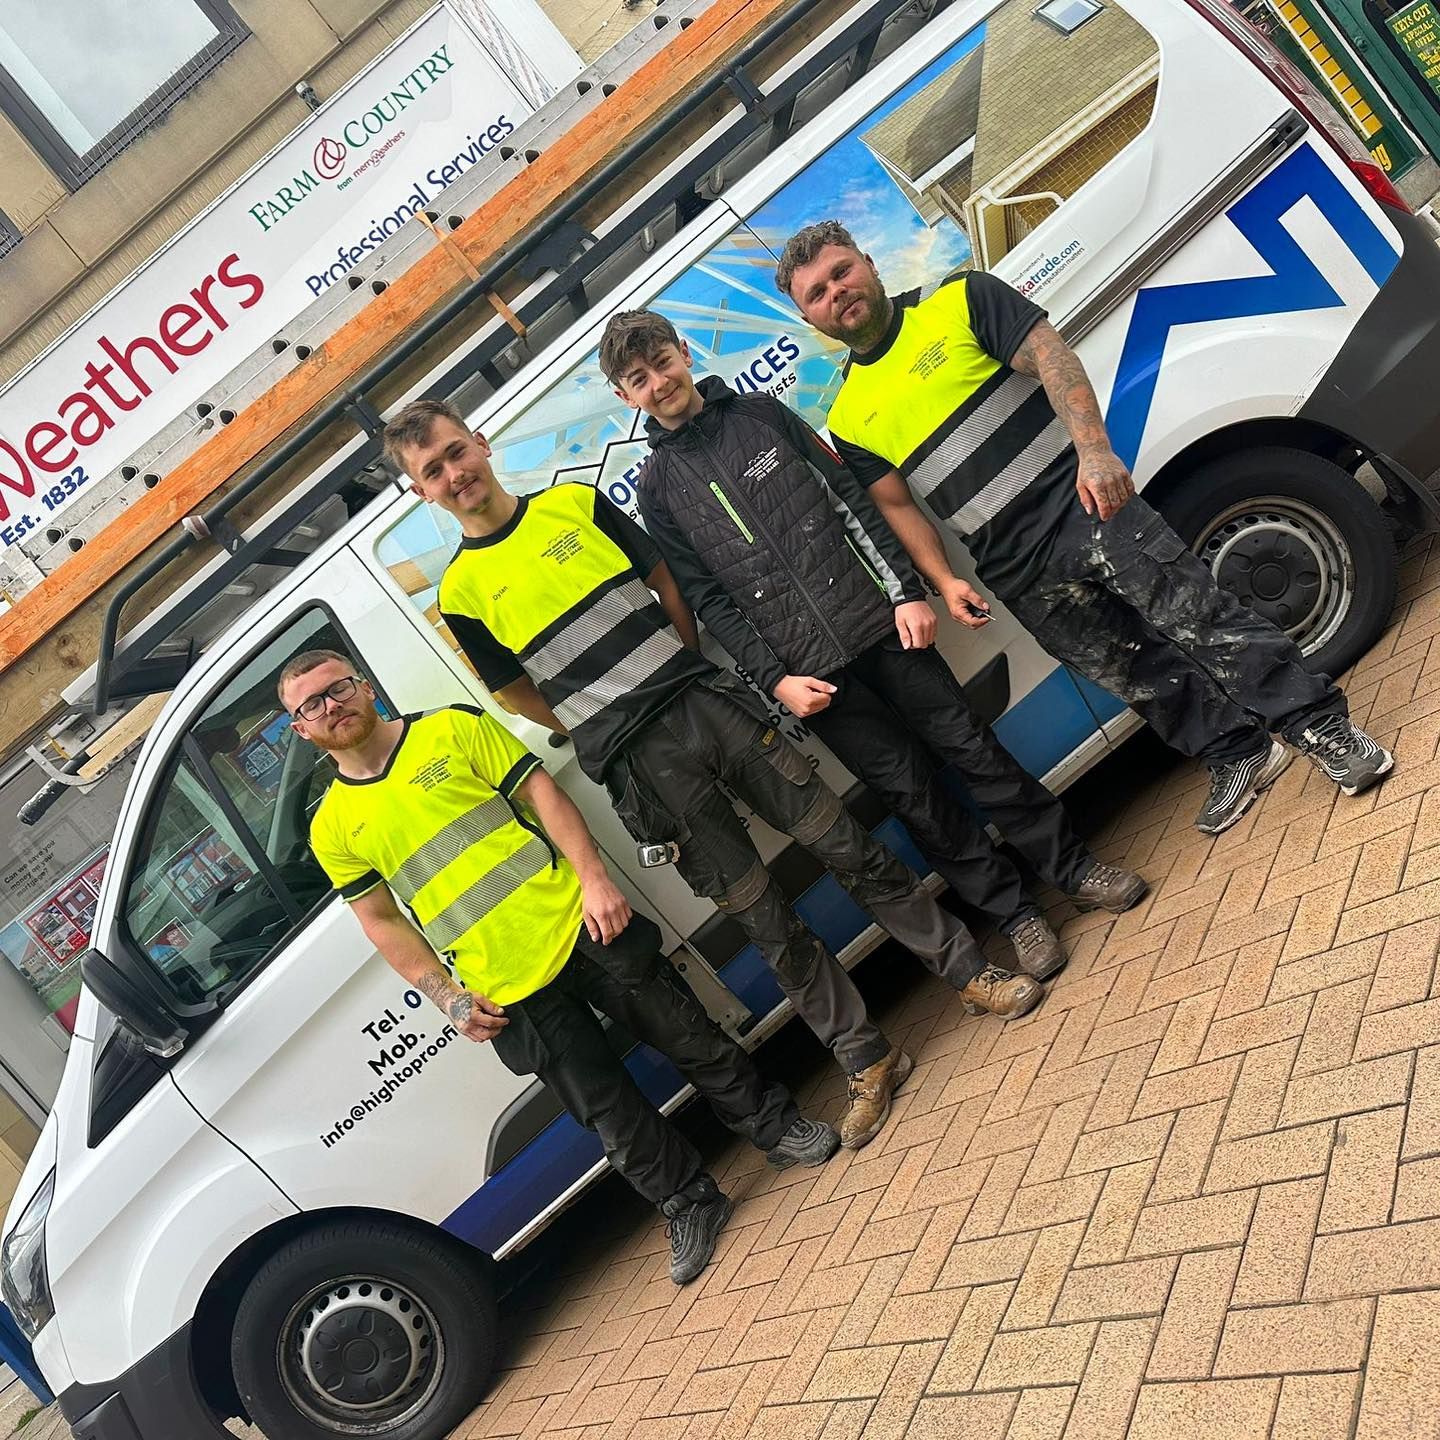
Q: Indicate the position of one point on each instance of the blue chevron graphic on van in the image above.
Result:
(1296, 283)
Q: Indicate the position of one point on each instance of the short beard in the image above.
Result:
(862, 341)
(368, 721)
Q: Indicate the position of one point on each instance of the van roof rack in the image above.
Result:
(557, 243)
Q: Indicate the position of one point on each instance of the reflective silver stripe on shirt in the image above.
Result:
(448, 844)
(971, 433)
(626, 675)
(587, 630)
(1023, 470)
(531, 859)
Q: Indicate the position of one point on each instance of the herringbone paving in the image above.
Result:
(1197, 1193)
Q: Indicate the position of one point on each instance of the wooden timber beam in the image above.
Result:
(486, 236)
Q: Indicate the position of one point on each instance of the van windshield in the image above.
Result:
(223, 872)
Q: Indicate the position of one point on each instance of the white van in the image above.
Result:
(248, 1197)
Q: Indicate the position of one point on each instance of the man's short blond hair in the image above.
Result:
(412, 427)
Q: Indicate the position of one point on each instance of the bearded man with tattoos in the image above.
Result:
(448, 814)
(969, 402)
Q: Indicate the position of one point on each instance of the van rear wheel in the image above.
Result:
(367, 1328)
(1300, 542)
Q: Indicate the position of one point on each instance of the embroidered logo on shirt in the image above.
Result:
(763, 464)
(565, 546)
(432, 773)
(929, 360)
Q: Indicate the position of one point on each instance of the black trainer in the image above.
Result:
(806, 1142)
(1235, 784)
(694, 1227)
(1345, 753)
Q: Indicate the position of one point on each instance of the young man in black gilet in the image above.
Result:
(782, 554)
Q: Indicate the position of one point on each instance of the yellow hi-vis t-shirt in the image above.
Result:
(442, 828)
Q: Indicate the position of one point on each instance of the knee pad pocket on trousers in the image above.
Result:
(825, 813)
(741, 894)
(796, 967)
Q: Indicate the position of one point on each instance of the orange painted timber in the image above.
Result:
(485, 236)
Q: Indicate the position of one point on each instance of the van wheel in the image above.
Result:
(1300, 542)
(366, 1328)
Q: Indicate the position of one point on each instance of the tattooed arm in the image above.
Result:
(1104, 483)
(408, 953)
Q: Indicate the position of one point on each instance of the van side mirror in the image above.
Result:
(160, 1032)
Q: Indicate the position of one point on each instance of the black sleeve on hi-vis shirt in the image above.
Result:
(638, 548)
(496, 666)
(866, 466)
(999, 315)
(517, 774)
(361, 886)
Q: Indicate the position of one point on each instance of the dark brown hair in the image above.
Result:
(804, 245)
(633, 335)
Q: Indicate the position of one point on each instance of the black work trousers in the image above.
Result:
(556, 1035)
(667, 787)
(893, 713)
(1127, 604)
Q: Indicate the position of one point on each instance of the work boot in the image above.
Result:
(806, 1142)
(1345, 753)
(1001, 992)
(1038, 951)
(871, 1090)
(695, 1226)
(1108, 887)
(1235, 784)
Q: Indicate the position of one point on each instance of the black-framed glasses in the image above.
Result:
(313, 706)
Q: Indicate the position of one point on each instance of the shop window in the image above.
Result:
(81, 80)
(49, 878)
(1411, 29)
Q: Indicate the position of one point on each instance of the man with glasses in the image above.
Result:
(450, 816)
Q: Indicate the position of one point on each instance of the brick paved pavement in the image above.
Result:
(1195, 1194)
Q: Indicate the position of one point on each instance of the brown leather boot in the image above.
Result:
(870, 1093)
(1108, 887)
(1038, 951)
(1001, 992)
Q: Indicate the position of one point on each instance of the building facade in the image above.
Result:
(119, 125)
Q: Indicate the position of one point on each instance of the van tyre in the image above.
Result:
(368, 1328)
(1299, 541)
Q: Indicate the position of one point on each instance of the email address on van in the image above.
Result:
(385, 1093)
